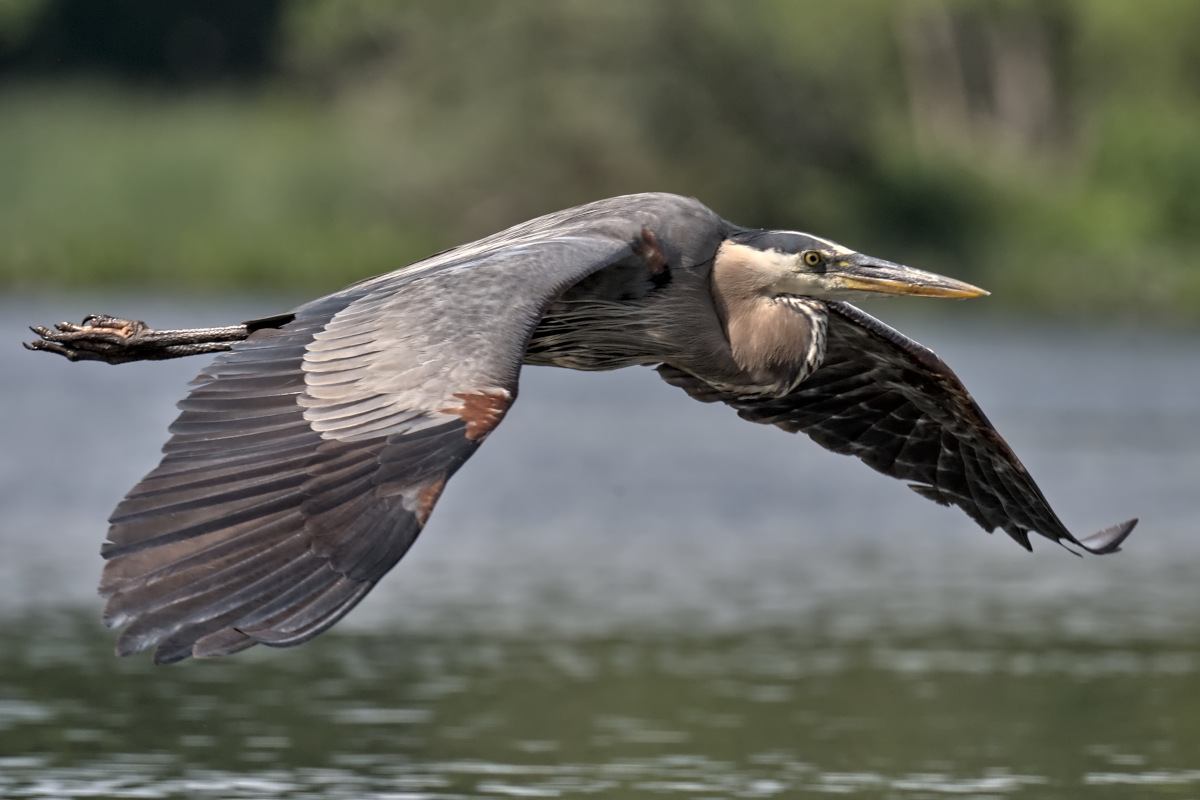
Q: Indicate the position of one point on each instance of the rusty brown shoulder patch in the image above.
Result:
(427, 497)
(649, 250)
(481, 411)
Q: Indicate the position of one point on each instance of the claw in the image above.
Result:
(52, 347)
(98, 338)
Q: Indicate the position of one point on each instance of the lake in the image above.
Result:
(628, 594)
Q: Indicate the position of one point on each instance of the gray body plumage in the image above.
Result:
(306, 460)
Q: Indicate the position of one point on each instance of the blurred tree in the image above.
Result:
(1046, 149)
(981, 77)
(16, 18)
(491, 112)
(183, 42)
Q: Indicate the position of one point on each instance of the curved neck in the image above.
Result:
(777, 341)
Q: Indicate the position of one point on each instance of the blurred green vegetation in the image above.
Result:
(1045, 149)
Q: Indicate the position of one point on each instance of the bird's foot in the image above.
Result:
(98, 338)
(117, 341)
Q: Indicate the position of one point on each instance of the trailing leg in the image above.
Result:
(117, 341)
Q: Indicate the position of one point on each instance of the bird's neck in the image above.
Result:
(775, 340)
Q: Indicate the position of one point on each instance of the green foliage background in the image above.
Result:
(1047, 150)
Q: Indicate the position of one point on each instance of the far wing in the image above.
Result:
(306, 461)
(882, 397)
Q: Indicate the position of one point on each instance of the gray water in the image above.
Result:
(630, 594)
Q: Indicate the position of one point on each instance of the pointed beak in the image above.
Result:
(857, 272)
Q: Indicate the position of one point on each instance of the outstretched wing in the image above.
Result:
(884, 398)
(306, 461)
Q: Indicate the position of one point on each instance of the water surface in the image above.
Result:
(630, 594)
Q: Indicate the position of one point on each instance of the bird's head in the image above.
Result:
(786, 262)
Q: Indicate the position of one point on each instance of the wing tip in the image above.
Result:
(1109, 540)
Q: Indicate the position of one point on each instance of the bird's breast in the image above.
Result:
(776, 344)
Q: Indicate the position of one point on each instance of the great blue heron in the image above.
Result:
(307, 458)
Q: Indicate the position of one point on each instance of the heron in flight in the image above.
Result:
(308, 456)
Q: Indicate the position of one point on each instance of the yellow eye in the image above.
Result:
(812, 258)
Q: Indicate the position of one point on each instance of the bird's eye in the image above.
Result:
(812, 258)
